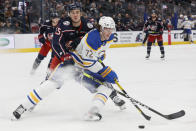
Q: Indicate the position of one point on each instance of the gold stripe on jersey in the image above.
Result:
(84, 63)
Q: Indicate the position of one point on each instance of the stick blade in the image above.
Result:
(176, 115)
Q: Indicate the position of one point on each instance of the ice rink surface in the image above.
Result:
(167, 86)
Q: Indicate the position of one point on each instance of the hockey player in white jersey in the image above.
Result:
(187, 25)
(87, 55)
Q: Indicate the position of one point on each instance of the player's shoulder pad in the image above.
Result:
(159, 19)
(64, 23)
(47, 23)
(86, 23)
(111, 37)
(93, 39)
(90, 25)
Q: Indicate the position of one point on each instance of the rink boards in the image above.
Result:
(30, 43)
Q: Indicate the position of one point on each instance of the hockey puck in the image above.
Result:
(141, 126)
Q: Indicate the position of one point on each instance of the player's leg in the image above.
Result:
(145, 39)
(36, 95)
(54, 61)
(190, 36)
(149, 44)
(160, 43)
(151, 39)
(92, 86)
(42, 54)
(99, 100)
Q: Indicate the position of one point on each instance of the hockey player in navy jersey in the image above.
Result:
(45, 37)
(154, 27)
(63, 42)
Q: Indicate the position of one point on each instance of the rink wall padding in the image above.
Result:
(11, 43)
(25, 50)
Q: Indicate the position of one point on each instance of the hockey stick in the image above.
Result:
(136, 106)
(169, 117)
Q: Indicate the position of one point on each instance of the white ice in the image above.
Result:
(167, 86)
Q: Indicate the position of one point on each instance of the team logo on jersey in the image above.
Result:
(89, 25)
(66, 23)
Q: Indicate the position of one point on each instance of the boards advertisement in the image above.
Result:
(7, 42)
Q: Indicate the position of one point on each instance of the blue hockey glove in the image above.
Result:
(108, 75)
(102, 57)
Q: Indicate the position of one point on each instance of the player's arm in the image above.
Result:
(145, 27)
(161, 26)
(42, 30)
(98, 67)
(57, 43)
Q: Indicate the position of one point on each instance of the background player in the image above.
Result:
(45, 37)
(187, 25)
(154, 26)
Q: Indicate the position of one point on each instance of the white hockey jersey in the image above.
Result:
(90, 50)
(187, 24)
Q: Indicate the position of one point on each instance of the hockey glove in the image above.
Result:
(65, 57)
(102, 57)
(108, 75)
(71, 45)
(41, 38)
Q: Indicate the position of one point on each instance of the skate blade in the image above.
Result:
(13, 118)
(92, 117)
(163, 59)
(32, 72)
(123, 107)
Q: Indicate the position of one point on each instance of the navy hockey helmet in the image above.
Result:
(154, 14)
(54, 15)
(74, 6)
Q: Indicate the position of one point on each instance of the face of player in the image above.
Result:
(153, 17)
(106, 33)
(75, 15)
(55, 21)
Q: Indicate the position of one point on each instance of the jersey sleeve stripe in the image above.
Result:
(106, 72)
(82, 62)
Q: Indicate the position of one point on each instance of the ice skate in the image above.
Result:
(35, 66)
(119, 102)
(32, 72)
(92, 116)
(147, 56)
(162, 57)
(18, 112)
